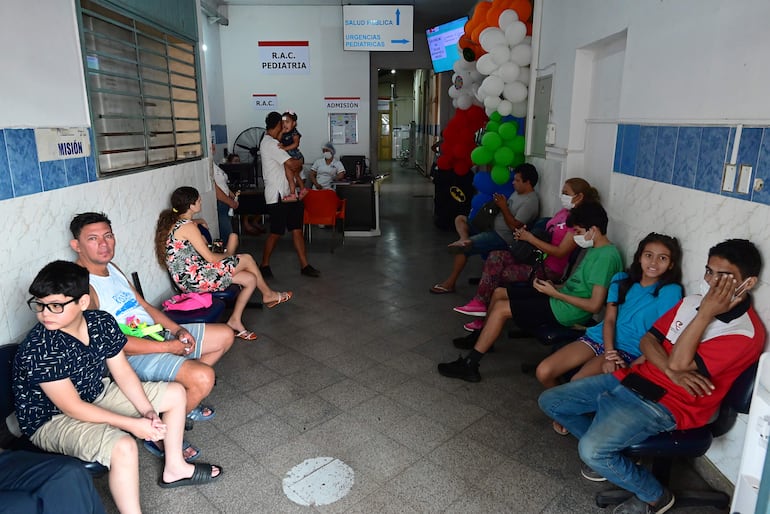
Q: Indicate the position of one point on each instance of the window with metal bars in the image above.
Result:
(143, 94)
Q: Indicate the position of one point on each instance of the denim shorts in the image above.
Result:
(598, 349)
(163, 367)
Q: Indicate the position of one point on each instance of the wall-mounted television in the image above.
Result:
(442, 42)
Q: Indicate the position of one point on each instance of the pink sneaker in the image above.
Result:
(472, 308)
(474, 325)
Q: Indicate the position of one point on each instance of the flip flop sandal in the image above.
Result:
(197, 413)
(153, 448)
(439, 289)
(246, 335)
(282, 297)
(559, 429)
(201, 475)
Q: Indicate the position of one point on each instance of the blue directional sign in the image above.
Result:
(378, 28)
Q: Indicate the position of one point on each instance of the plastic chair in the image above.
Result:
(324, 208)
(664, 447)
(7, 354)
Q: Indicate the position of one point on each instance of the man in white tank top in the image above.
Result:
(187, 358)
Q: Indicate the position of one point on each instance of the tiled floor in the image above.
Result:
(347, 369)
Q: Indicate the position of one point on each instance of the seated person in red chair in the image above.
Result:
(692, 355)
(187, 358)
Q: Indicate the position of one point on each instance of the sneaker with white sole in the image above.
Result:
(472, 308)
(474, 325)
(634, 505)
(590, 474)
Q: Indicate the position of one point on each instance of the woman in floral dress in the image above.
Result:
(182, 249)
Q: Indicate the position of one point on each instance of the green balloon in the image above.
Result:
(507, 131)
(503, 156)
(496, 116)
(500, 175)
(517, 159)
(491, 140)
(511, 143)
(518, 144)
(481, 156)
(493, 126)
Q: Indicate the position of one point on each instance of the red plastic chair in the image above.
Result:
(324, 208)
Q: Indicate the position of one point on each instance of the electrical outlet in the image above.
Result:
(728, 178)
(744, 179)
(759, 184)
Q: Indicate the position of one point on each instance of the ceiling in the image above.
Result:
(427, 13)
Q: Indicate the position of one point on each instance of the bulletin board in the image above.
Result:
(343, 128)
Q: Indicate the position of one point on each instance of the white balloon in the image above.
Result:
(493, 85)
(475, 93)
(464, 102)
(505, 108)
(486, 64)
(489, 111)
(515, 33)
(507, 17)
(453, 92)
(515, 92)
(501, 54)
(524, 74)
(491, 102)
(508, 71)
(519, 109)
(521, 54)
(476, 76)
(491, 37)
(454, 103)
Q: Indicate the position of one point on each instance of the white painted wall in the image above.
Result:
(333, 72)
(47, 89)
(689, 61)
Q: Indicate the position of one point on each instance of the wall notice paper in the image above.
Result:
(62, 143)
(267, 102)
(343, 128)
(284, 57)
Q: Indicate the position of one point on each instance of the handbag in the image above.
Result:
(484, 219)
(526, 253)
(188, 302)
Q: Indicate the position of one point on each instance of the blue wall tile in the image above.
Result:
(686, 156)
(618, 148)
(22, 159)
(645, 157)
(6, 186)
(630, 148)
(711, 159)
(665, 148)
(76, 171)
(763, 169)
(54, 175)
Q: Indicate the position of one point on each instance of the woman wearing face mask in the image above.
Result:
(501, 269)
(327, 169)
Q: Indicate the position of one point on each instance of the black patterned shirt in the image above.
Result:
(51, 355)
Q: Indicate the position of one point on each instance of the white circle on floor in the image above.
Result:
(318, 481)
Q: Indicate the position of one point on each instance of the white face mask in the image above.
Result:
(566, 201)
(327, 155)
(582, 242)
(704, 287)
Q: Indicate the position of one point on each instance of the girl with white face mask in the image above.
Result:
(501, 269)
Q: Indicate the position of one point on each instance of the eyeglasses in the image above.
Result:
(56, 308)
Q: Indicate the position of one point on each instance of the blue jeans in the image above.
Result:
(224, 220)
(607, 417)
(46, 483)
(485, 242)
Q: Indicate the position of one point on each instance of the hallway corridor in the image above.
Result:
(347, 369)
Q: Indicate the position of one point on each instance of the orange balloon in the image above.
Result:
(529, 28)
(480, 11)
(493, 16)
(476, 32)
(523, 8)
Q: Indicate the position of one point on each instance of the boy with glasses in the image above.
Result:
(65, 406)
